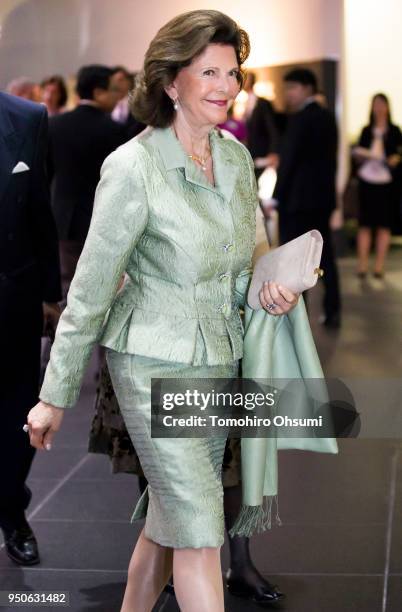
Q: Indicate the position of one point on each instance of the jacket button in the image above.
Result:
(225, 309)
(228, 248)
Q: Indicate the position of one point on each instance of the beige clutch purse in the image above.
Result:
(295, 265)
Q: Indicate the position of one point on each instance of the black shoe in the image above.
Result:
(21, 545)
(379, 275)
(361, 275)
(267, 594)
(169, 587)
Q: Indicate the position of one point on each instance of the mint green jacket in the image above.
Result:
(186, 247)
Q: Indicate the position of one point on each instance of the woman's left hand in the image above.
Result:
(277, 300)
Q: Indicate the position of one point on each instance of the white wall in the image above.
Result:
(373, 52)
(39, 37)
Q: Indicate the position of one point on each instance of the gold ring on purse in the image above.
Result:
(319, 271)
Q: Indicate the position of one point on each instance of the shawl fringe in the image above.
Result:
(255, 519)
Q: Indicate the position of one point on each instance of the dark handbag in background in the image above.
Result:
(350, 198)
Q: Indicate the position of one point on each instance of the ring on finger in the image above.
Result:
(271, 306)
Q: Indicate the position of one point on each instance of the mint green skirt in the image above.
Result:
(183, 503)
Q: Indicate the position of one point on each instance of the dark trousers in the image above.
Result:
(292, 225)
(21, 321)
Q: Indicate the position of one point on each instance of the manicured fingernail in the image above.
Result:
(280, 287)
(265, 283)
(48, 446)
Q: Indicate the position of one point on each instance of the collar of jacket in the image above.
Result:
(225, 164)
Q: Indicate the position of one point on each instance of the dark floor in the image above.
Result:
(340, 546)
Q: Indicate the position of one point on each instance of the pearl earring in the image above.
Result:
(175, 104)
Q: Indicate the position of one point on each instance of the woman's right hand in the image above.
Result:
(43, 421)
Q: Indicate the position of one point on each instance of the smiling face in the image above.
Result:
(207, 87)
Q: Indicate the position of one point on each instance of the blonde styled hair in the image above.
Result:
(175, 46)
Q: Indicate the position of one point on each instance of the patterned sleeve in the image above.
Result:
(243, 279)
(119, 218)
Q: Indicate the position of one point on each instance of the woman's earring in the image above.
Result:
(175, 104)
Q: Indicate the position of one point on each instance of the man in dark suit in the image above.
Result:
(79, 142)
(262, 132)
(29, 292)
(305, 188)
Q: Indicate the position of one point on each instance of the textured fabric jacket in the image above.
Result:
(186, 247)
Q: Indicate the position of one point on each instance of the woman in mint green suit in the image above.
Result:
(175, 210)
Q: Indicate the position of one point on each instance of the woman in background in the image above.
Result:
(54, 94)
(378, 156)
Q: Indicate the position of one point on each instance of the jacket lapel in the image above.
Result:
(174, 156)
(225, 170)
(9, 144)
